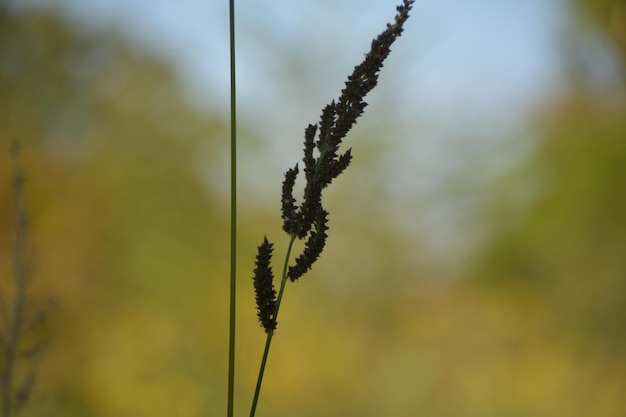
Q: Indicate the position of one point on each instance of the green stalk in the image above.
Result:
(233, 216)
(268, 341)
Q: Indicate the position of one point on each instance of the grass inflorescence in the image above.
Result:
(323, 162)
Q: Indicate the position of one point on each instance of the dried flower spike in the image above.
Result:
(289, 211)
(264, 287)
(323, 166)
(312, 248)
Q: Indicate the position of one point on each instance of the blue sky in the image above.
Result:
(487, 52)
(459, 91)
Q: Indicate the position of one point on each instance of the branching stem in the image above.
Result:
(15, 313)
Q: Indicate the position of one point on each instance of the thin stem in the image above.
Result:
(20, 280)
(233, 216)
(268, 341)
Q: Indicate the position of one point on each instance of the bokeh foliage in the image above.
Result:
(132, 245)
(127, 237)
(609, 16)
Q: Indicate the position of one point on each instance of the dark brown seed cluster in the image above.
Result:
(322, 160)
(312, 248)
(264, 287)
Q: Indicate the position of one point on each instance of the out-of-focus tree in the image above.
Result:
(128, 239)
(560, 265)
(610, 16)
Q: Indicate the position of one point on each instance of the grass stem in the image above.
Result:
(233, 215)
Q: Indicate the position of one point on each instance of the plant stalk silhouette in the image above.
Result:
(19, 357)
(322, 164)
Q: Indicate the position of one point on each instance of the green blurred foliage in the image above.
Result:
(610, 16)
(561, 270)
(559, 267)
(133, 247)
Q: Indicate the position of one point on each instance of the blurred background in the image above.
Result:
(476, 261)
